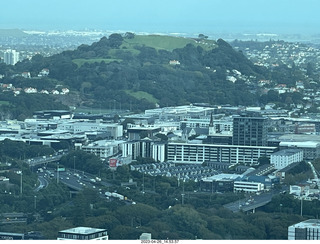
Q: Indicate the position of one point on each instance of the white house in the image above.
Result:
(174, 62)
(30, 90)
(43, 72)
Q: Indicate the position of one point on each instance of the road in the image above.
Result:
(43, 182)
(32, 162)
(250, 203)
(75, 180)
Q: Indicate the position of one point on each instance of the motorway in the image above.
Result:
(43, 182)
(32, 162)
(254, 201)
(75, 180)
(250, 203)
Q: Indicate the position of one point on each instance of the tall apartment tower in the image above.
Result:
(11, 57)
(249, 131)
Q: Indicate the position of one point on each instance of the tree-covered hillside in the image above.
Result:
(135, 73)
(126, 70)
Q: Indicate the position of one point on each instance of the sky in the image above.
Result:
(168, 16)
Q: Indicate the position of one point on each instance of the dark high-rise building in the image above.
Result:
(249, 131)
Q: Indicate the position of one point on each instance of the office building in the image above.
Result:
(248, 186)
(83, 233)
(283, 158)
(249, 131)
(11, 57)
(103, 148)
(305, 230)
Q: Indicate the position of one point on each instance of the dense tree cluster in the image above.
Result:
(21, 150)
(23, 106)
(83, 161)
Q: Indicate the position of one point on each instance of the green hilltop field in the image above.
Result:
(168, 43)
(158, 42)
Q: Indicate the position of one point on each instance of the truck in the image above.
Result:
(108, 194)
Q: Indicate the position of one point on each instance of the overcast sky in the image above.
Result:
(273, 16)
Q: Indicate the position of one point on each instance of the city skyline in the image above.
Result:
(207, 16)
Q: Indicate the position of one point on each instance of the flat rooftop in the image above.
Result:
(82, 230)
(287, 152)
(310, 223)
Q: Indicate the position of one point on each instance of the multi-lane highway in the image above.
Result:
(32, 162)
(76, 180)
(251, 202)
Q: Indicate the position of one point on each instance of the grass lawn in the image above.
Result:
(92, 110)
(4, 103)
(165, 42)
(141, 94)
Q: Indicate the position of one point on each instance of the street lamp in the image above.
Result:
(74, 164)
(57, 172)
(21, 182)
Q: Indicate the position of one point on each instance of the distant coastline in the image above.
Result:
(226, 35)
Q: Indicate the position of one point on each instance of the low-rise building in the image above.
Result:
(305, 230)
(103, 148)
(248, 186)
(83, 233)
(219, 183)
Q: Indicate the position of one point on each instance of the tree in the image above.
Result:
(163, 137)
(202, 36)
(129, 35)
(126, 122)
(81, 160)
(115, 40)
(263, 160)
(187, 219)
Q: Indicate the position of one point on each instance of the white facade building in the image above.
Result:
(199, 153)
(283, 158)
(115, 130)
(103, 148)
(144, 148)
(249, 187)
(305, 230)
(83, 233)
(11, 57)
(158, 152)
(311, 149)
